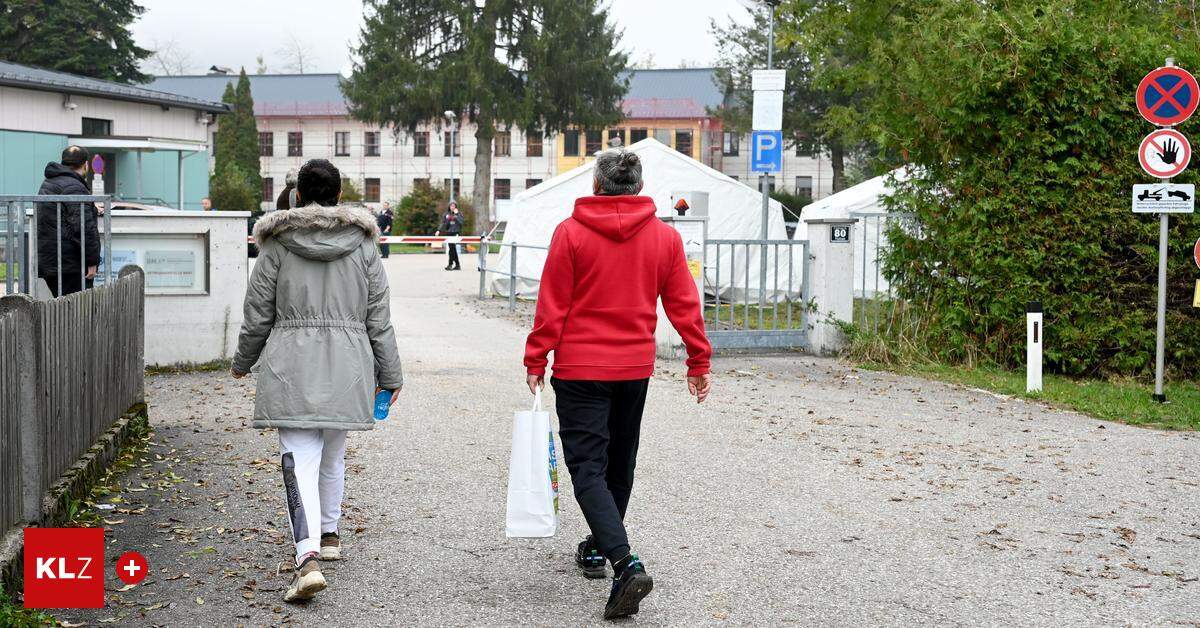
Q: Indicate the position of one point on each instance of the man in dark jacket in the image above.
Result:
(384, 220)
(452, 225)
(63, 235)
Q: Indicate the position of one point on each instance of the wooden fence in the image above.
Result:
(69, 368)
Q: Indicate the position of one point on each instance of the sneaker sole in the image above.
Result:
(307, 587)
(331, 553)
(593, 573)
(629, 601)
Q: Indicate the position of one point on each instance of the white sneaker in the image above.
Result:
(307, 582)
(331, 546)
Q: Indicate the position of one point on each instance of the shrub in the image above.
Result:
(231, 188)
(420, 213)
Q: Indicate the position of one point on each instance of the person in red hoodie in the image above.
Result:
(608, 265)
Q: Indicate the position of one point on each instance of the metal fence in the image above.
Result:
(756, 293)
(510, 271)
(875, 301)
(20, 236)
(69, 368)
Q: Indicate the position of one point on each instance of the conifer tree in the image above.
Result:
(85, 37)
(236, 145)
(537, 65)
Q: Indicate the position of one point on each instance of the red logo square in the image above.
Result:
(64, 567)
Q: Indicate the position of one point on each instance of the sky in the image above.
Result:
(668, 32)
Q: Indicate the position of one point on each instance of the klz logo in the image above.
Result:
(64, 567)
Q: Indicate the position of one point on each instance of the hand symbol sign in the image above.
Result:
(1169, 152)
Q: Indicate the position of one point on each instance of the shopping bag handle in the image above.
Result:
(537, 399)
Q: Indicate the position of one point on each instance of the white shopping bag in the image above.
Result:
(532, 475)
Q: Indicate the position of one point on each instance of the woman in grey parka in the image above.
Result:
(318, 333)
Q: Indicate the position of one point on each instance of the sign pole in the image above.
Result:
(1161, 341)
(766, 186)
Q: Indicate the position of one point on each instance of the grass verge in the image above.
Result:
(1124, 401)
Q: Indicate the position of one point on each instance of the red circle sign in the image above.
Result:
(132, 567)
(1168, 96)
(1165, 153)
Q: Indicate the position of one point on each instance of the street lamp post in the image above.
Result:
(765, 183)
(450, 120)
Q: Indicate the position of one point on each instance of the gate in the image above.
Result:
(757, 294)
(19, 236)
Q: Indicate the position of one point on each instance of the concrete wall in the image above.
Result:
(43, 112)
(194, 328)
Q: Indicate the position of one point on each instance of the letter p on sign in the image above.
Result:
(766, 151)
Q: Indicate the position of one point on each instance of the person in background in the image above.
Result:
(62, 230)
(384, 219)
(608, 265)
(452, 225)
(206, 204)
(317, 329)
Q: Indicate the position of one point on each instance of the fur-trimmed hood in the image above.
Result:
(318, 232)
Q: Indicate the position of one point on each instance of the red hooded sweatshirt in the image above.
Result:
(597, 303)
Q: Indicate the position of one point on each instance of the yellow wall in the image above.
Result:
(565, 163)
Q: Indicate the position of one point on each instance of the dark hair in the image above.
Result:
(319, 182)
(284, 200)
(75, 156)
(618, 172)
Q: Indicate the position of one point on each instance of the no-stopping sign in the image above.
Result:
(1168, 96)
(1165, 153)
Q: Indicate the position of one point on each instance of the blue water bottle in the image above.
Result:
(383, 399)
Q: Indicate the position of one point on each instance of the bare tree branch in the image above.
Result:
(168, 59)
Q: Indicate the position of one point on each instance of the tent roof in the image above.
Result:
(864, 197)
(643, 148)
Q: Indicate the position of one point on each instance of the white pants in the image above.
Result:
(314, 476)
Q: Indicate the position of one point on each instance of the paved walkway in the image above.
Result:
(803, 493)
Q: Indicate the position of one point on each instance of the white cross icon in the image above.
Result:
(132, 568)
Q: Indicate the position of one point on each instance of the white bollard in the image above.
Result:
(1033, 350)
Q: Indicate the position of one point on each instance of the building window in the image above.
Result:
(447, 142)
(371, 195)
(266, 144)
(295, 144)
(503, 144)
(371, 143)
(804, 186)
(683, 141)
(730, 144)
(663, 135)
(532, 182)
(571, 143)
(503, 189)
(533, 145)
(268, 189)
(770, 184)
(420, 182)
(618, 135)
(594, 142)
(341, 144)
(805, 148)
(421, 144)
(457, 191)
(95, 127)
(637, 135)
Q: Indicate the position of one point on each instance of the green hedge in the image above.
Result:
(1020, 119)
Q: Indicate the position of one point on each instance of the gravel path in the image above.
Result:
(805, 492)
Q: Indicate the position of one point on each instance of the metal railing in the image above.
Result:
(20, 214)
(874, 297)
(746, 308)
(511, 272)
(69, 368)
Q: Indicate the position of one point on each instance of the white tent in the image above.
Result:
(865, 203)
(734, 212)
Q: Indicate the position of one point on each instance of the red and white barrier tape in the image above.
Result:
(407, 239)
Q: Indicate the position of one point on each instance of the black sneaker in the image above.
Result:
(629, 588)
(589, 559)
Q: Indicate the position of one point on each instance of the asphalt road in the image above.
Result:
(805, 492)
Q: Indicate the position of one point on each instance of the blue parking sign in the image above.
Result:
(766, 151)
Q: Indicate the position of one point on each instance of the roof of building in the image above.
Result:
(274, 94)
(675, 93)
(672, 93)
(27, 77)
